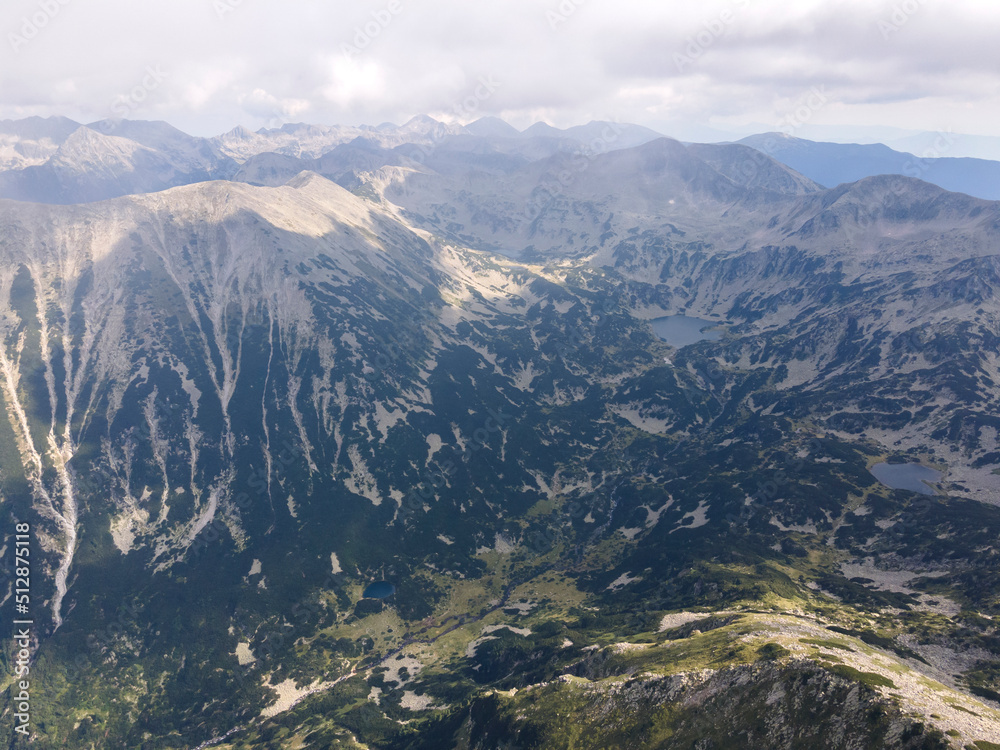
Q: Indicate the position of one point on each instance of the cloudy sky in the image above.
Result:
(688, 69)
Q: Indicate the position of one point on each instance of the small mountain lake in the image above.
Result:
(913, 477)
(680, 330)
(379, 590)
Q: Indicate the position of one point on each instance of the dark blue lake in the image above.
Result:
(680, 330)
(379, 590)
(913, 477)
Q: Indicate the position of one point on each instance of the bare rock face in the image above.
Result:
(773, 706)
(106, 160)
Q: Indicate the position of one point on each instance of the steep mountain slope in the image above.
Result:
(91, 166)
(187, 153)
(740, 164)
(727, 196)
(560, 206)
(492, 127)
(231, 408)
(29, 142)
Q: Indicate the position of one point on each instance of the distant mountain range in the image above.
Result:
(832, 164)
(59, 161)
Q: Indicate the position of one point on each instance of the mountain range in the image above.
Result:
(59, 161)
(245, 378)
(833, 164)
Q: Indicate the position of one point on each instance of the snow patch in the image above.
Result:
(699, 516)
(622, 581)
(244, 655)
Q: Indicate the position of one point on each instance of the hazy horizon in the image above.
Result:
(921, 143)
(704, 73)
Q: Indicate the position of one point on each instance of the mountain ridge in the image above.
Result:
(236, 406)
(832, 164)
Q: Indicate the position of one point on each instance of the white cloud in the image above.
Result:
(263, 105)
(353, 80)
(905, 63)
